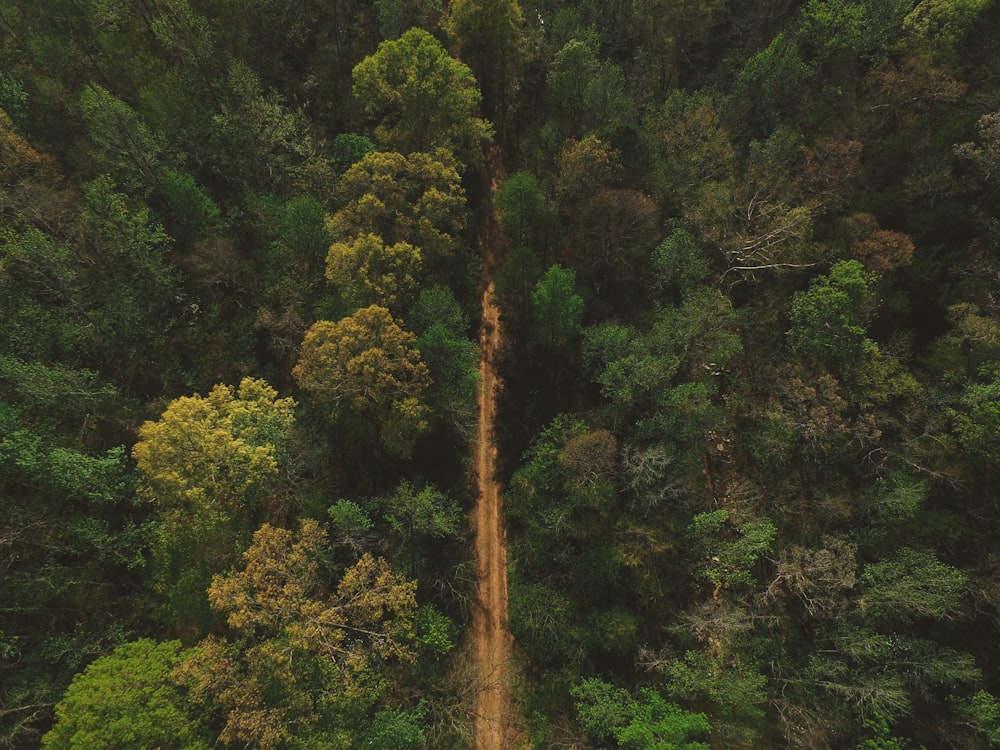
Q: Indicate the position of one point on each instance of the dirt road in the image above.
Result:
(496, 727)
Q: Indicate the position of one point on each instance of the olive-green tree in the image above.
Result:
(421, 98)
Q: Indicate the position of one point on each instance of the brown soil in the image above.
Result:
(496, 726)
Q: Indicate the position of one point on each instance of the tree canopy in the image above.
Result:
(422, 98)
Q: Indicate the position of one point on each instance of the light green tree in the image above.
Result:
(557, 308)
(129, 700)
(829, 318)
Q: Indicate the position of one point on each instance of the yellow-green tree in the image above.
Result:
(207, 465)
(416, 199)
(127, 699)
(371, 271)
(368, 366)
(214, 453)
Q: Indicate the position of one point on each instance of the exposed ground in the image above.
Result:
(496, 725)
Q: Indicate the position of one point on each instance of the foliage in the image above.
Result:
(368, 365)
(557, 308)
(913, 584)
(679, 263)
(396, 16)
(523, 209)
(977, 419)
(944, 23)
(427, 513)
(606, 712)
(732, 553)
(282, 615)
(124, 145)
(416, 199)
(490, 36)
(983, 710)
(216, 453)
(829, 319)
(587, 91)
(375, 272)
(209, 466)
(452, 359)
(422, 98)
(348, 150)
(259, 137)
(127, 699)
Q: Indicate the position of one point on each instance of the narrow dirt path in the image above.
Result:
(496, 727)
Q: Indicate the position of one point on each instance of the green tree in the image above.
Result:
(124, 146)
(983, 711)
(723, 675)
(977, 420)
(134, 288)
(557, 308)
(421, 98)
(452, 359)
(588, 92)
(911, 585)
(527, 218)
(261, 143)
(667, 376)
(396, 16)
(73, 545)
(348, 150)
(427, 513)
(943, 24)
(647, 723)
(561, 502)
(731, 552)
(679, 264)
(829, 318)
(865, 29)
(693, 148)
(128, 699)
(773, 85)
(190, 211)
(488, 34)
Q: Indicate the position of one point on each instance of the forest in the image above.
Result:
(746, 263)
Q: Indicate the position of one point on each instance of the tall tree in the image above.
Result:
(416, 199)
(421, 98)
(489, 36)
